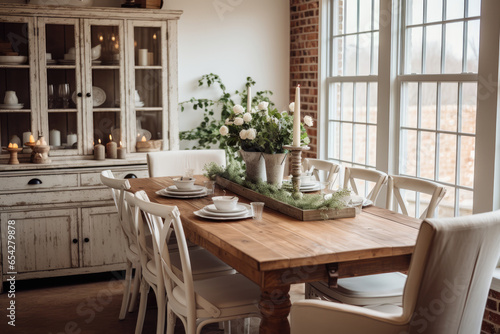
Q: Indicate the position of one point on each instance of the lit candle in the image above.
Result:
(32, 139)
(10, 145)
(99, 151)
(296, 118)
(111, 149)
(121, 152)
(249, 99)
(143, 138)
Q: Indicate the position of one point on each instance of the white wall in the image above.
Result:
(234, 39)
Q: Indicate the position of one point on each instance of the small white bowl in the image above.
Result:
(225, 203)
(184, 183)
(96, 52)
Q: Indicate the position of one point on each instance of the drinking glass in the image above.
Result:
(63, 92)
(51, 97)
(257, 209)
(210, 185)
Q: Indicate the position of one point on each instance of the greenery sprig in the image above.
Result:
(234, 172)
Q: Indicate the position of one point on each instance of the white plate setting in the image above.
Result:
(173, 191)
(305, 186)
(242, 211)
(12, 106)
(98, 96)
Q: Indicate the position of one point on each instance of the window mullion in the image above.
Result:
(438, 127)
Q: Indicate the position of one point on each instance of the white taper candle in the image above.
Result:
(296, 118)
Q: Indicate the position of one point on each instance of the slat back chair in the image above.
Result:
(398, 183)
(447, 287)
(195, 302)
(175, 163)
(118, 188)
(377, 177)
(329, 168)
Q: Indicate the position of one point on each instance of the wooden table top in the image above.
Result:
(280, 242)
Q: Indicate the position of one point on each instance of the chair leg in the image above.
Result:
(126, 291)
(171, 319)
(136, 286)
(142, 307)
(160, 320)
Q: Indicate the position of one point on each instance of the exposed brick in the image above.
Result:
(487, 328)
(492, 317)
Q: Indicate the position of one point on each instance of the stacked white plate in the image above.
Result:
(12, 106)
(173, 191)
(241, 211)
(306, 186)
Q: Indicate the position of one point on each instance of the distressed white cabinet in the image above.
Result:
(83, 74)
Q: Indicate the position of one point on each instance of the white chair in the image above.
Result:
(370, 175)
(118, 187)
(329, 168)
(446, 290)
(175, 163)
(205, 265)
(195, 302)
(398, 183)
(382, 288)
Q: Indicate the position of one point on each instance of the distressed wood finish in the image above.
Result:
(280, 250)
(283, 207)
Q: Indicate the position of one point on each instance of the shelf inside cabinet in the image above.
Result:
(152, 67)
(61, 67)
(105, 67)
(13, 66)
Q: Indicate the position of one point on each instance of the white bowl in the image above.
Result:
(15, 60)
(184, 183)
(225, 203)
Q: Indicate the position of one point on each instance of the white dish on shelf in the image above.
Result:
(12, 106)
(98, 96)
(66, 61)
(139, 104)
(51, 62)
(13, 60)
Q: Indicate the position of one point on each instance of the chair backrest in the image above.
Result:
(398, 183)
(378, 178)
(330, 169)
(450, 274)
(175, 163)
(118, 189)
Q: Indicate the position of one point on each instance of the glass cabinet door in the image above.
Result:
(149, 81)
(17, 73)
(104, 50)
(60, 83)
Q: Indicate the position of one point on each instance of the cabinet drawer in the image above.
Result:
(47, 181)
(94, 179)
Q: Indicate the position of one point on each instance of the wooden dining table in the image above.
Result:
(278, 250)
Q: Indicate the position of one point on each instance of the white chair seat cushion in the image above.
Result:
(229, 293)
(366, 290)
(387, 308)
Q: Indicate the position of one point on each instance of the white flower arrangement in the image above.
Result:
(238, 121)
(263, 105)
(224, 130)
(291, 106)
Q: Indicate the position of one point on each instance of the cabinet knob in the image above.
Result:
(88, 95)
(75, 241)
(130, 176)
(86, 239)
(34, 181)
(79, 94)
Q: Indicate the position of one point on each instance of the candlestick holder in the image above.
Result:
(31, 145)
(13, 155)
(41, 154)
(296, 152)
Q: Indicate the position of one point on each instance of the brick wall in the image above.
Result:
(304, 51)
(491, 322)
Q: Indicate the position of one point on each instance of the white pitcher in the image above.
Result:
(10, 98)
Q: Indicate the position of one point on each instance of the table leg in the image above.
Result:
(274, 307)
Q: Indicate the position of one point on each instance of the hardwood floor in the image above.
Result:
(85, 304)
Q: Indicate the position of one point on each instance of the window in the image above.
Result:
(431, 128)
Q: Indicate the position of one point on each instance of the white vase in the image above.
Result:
(255, 166)
(10, 98)
(275, 167)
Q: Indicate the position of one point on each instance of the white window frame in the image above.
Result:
(487, 159)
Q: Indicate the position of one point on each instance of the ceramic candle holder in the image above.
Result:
(149, 145)
(13, 155)
(41, 154)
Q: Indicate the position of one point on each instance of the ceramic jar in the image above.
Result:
(10, 98)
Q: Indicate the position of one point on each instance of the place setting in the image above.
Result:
(183, 187)
(228, 208)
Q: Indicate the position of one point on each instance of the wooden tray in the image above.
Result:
(283, 207)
